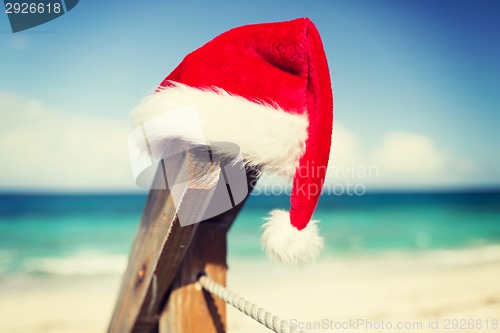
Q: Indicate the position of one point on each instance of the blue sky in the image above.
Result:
(416, 84)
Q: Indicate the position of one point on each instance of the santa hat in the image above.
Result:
(266, 88)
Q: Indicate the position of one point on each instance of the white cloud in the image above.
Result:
(43, 148)
(346, 146)
(50, 149)
(349, 162)
(410, 154)
(399, 159)
(19, 42)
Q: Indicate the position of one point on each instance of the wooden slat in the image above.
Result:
(160, 238)
(190, 308)
(159, 248)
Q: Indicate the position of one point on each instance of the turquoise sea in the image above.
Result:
(51, 234)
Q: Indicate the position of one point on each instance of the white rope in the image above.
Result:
(259, 314)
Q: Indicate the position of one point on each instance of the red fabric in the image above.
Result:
(282, 63)
(307, 188)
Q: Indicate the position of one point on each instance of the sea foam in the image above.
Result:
(81, 263)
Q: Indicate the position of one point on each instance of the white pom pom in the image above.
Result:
(282, 241)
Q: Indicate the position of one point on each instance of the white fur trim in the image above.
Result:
(268, 137)
(286, 243)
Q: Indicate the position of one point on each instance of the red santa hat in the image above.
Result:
(266, 88)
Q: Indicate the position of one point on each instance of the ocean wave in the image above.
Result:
(98, 263)
(466, 256)
(6, 257)
(82, 263)
(470, 256)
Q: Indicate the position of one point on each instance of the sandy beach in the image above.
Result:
(357, 294)
(332, 296)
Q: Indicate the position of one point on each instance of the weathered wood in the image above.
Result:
(161, 244)
(159, 247)
(190, 308)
